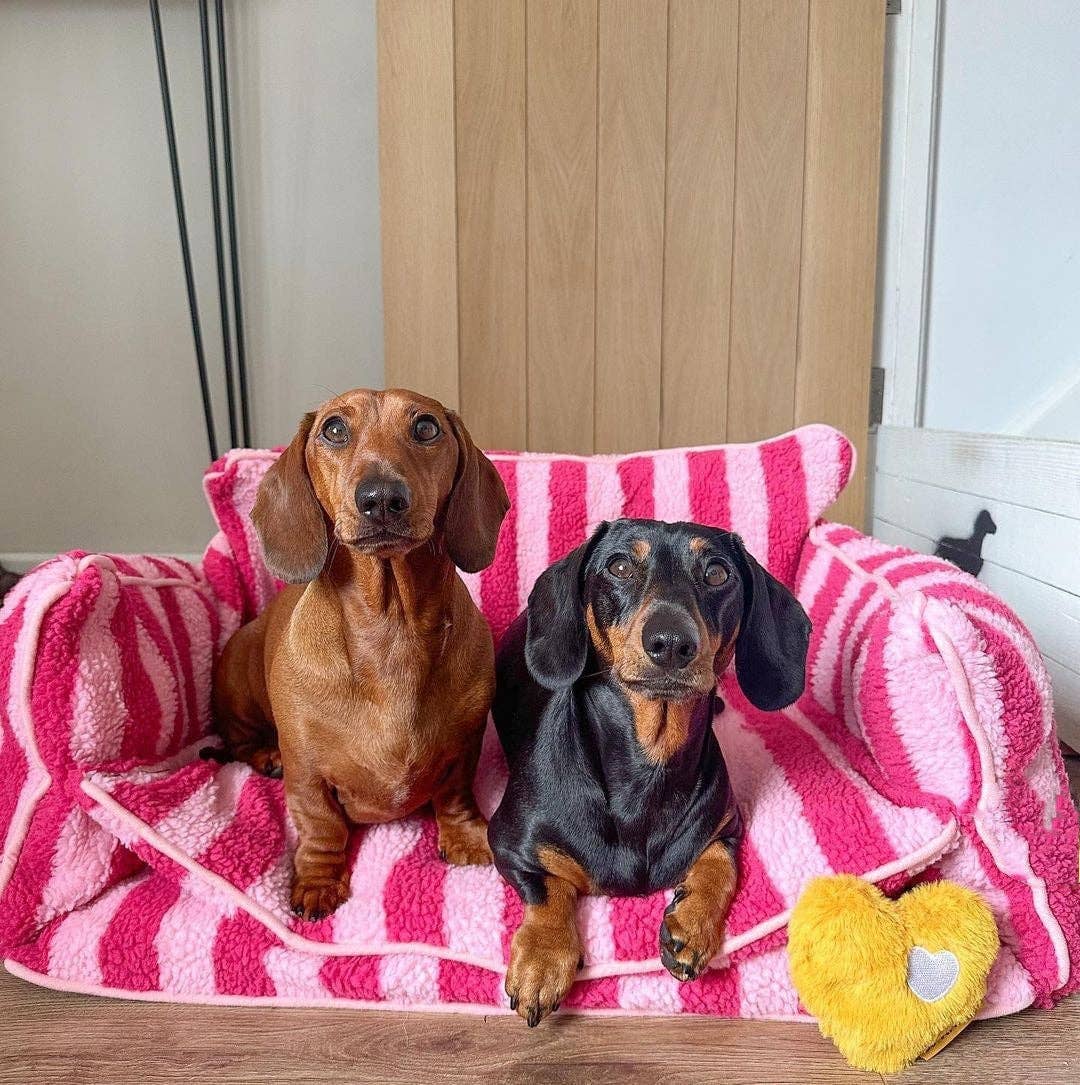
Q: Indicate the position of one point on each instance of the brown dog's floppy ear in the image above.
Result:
(556, 638)
(288, 516)
(476, 507)
(770, 654)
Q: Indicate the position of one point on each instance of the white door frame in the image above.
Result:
(908, 199)
(928, 483)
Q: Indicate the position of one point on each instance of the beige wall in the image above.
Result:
(101, 438)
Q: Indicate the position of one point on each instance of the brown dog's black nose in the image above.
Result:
(381, 500)
(670, 639)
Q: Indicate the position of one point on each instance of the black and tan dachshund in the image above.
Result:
(606, 692)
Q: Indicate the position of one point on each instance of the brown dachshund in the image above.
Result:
(373, 675)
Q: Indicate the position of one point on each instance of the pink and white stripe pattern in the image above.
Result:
(771, 493)
(922, 748)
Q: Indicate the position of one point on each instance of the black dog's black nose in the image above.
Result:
(381, 500)
(670, 639)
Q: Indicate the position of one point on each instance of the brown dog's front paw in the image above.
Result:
(690, 935)
(465, 843)
(316, 898)
(542, 969)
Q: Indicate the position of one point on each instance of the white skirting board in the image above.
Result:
(930, 483)
(23, 562)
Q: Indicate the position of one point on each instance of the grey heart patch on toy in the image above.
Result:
(931, 976)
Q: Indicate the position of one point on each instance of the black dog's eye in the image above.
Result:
(621, 568)
(715, 574)
(425, 429)
(335, 432)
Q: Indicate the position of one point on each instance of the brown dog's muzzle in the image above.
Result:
(380, 509)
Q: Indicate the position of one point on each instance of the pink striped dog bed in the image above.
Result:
(922, 748)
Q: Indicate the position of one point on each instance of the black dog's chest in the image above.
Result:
(636, 843)
(632, 859)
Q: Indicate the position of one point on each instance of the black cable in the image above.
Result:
(215, 203)
(181, 222)
(230, 204)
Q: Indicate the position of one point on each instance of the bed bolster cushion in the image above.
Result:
(105, 663)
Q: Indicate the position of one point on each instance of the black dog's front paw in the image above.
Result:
(691, 934)
(543, 967)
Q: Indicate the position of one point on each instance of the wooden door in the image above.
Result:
(611, 225)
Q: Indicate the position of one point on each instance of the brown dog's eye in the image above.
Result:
(425, 429)
(335, 432)
(621, 568)
(715, 575)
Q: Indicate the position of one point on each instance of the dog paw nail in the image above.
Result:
(514, 1002)
(581, 962)
(534, 1017)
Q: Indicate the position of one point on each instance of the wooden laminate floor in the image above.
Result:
(50, 1037)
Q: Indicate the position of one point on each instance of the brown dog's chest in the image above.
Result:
(381, 712)
(386, 761)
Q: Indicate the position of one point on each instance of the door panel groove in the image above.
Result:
(615, 224)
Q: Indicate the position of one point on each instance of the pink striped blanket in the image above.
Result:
(923, 748)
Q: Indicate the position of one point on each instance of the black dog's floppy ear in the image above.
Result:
(476, 507)
(770, 654)
(557, 641)
(288, 516)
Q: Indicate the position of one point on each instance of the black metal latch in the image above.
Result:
(967, 553)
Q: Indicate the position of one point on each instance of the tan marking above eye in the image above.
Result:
(697, 544)
(640, 549)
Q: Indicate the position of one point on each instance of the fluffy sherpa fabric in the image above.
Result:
(889, 979)
(923, 748)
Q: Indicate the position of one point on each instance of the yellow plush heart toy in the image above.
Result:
(888, 979)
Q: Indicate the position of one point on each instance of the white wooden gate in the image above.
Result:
(930, 483)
